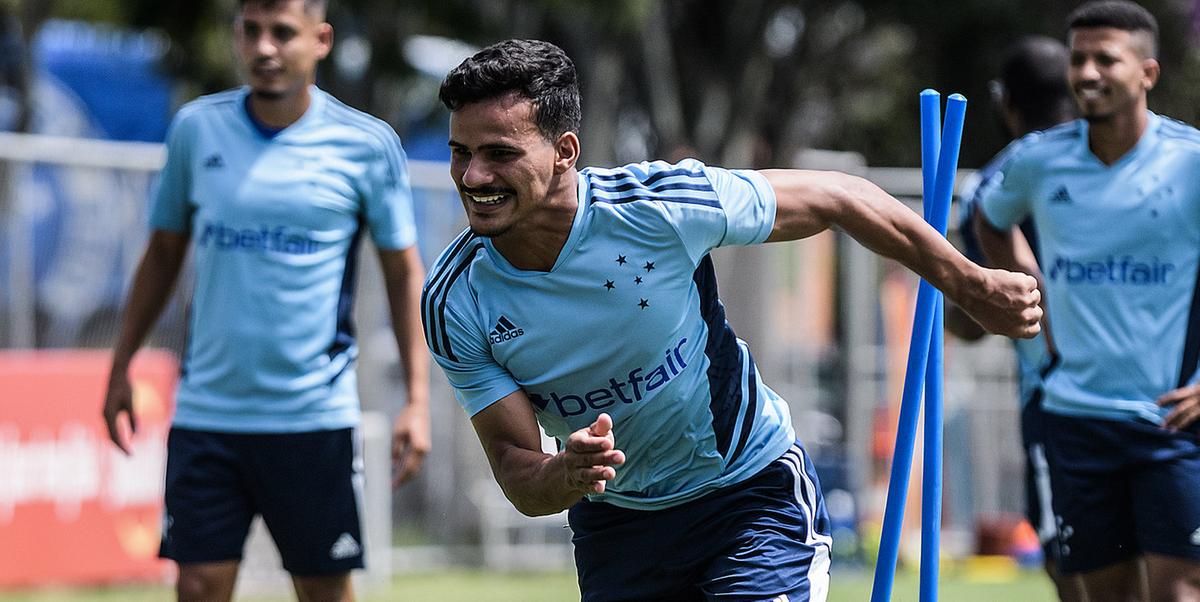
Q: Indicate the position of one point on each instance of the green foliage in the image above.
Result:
(663, 77)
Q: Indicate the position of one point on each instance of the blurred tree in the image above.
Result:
(738, 82)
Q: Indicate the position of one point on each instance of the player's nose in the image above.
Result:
(476, 174)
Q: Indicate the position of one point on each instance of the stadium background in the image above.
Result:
(87, 88)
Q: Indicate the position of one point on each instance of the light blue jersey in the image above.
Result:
(1031, 354)
(1119, 247)
(626, 322)
(276, 218)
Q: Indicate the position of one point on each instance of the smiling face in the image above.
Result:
(1110, 72)
(279, 44)
(507, 172)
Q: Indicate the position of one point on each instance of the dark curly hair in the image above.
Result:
(536, 70)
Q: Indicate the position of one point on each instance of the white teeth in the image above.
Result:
(488, 200)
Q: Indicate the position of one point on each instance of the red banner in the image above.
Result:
(73, 508)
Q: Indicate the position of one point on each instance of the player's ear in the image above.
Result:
(324, 40)
(1150, 70)
(566, 152)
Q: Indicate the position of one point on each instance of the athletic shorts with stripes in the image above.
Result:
(766, 538)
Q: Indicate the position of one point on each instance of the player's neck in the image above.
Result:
(1111, 138)
(535, 243)
(282, 111)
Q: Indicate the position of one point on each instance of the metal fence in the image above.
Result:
(823, 315)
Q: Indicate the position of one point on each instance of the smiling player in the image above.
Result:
(1116, 203)
(585, 300)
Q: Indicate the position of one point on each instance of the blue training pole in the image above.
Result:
(931, 492)
(931, 142)
(919, 344)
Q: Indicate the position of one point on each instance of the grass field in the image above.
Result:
(471, 586)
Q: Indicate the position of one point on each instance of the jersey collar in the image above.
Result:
(1144, 144)
(316, 106)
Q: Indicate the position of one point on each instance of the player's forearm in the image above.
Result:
(148, 294)
(535, 482)
(403, 276)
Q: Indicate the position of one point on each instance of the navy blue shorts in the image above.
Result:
(766, 538)
(305, 485)
(1037, 476)
(1122, 489)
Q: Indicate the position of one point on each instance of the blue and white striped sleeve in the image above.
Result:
(454, 334)
(710, 207)
(748, 202)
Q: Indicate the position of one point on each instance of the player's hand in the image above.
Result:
(410, 442)
(590, 456)
(119, 400)
(1185, 407)
(1006, 303)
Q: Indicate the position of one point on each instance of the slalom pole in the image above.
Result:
(928, 304)
(931, 491)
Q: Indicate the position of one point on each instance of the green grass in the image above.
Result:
(471, 586)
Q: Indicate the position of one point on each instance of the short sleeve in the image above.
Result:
(388, 197)
(710, 207)
(459, 346)
(748, 202)
(171, 206)
(1005, 198)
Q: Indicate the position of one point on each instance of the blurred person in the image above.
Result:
(1116, 205)
(585, 301)
(1031, 95)
(275, 183)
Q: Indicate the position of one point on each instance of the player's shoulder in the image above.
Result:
(453, 262)
(1173, 131)
(209, 105)
(448, 295)
(1052, 139)
(373, 130)
(646, 174)
(649, 186)
(1039, 147)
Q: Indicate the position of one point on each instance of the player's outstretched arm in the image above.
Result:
(403, 275)
(152, 284)
(535, 482)
(808, 202)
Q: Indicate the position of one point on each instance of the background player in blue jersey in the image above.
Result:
(585, 300)
(274, 184)
(1031, 94)
(1116, 204)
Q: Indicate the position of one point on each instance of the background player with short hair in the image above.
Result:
(274, 183)
(1116, 205)
(585, 300)
(1031, 94)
